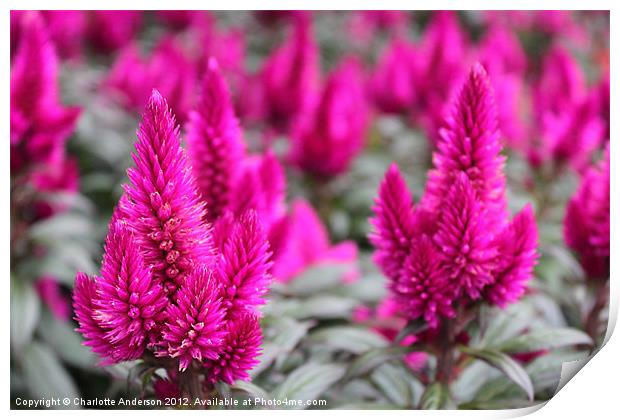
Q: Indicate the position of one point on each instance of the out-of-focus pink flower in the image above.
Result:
(51, 293)
(290, 76)
(244, 266)
(167, 69)
(269, 17)
(177, 19)
(604, 102)
(239, 353)
(441, 60)
(215, 143)
(363, 25)
(67, 29)
(392, 85)
(326, 140)
(587, 220)
(40, 124)
(308, 244)
(163, 205)
(110, 30)
(194, 327)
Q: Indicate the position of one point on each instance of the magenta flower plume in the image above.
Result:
(215, 143)
(194, 328)
(393, 223)
(291, 74)
(40, 124)
(470, 144)
(84, 298)
(163, 206)
(587, 219)
(51, 293)
(518, 255)
(67, 29)
(465, 238)
(325, 143)
(244, 265)
(423, 286)
(239, 353)
(392, 85)
(130, 303)
(306, 243)
(110, 30)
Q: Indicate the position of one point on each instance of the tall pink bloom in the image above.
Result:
(291, 74)
(194, 326)
(392, 85)
(456, 246)
(470, 144)
(67, 29)
(239, 353)
(325, 143)
(163, 205)
(244, 266)
(587, 219)
(40, 124)
(215, 143)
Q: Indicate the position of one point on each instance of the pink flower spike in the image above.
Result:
(587, 219)
(110, 30)
(423, 287)
(84, 296)
(194, 326)
(517, 258)
(215, 143)
(465, 236)
(243, 269)
(163, 206)
(239, 353)
(471, 145)
(130, 303)
(393, 223)
(51, 293)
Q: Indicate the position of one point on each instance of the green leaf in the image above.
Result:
(25, 311)
(506, 364)
(66, 342)
(436, 396)
(62, 226)
(544, 340)
(373, 358)
(309, 381)
(352, 339)
(393, 382)
(45, 375)
(316, 279)
(250, 389)
(320, 306)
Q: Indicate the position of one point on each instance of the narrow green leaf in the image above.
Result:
(393, 382)
(250, 389)
(308, 382)
(373, 358)
(506, 364)
(436, 396)
(352, 339)
(543, 339)
(25, 310)
(45, 375)
(66, 342)
(316, 279)
(413, 327)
